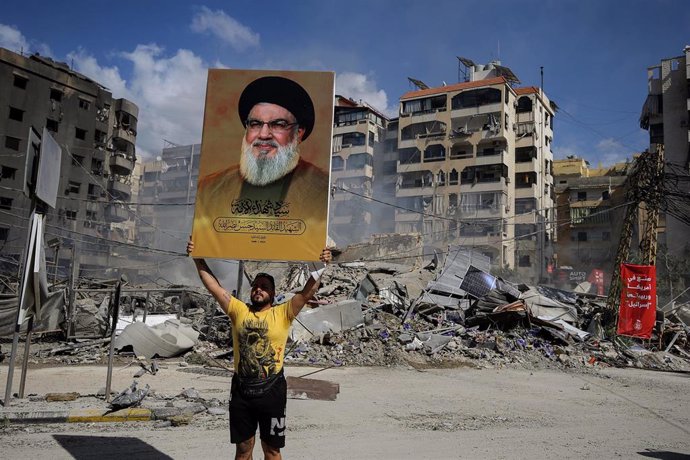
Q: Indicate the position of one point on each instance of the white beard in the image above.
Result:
(262, 170)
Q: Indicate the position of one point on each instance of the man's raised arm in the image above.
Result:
(209, 280)
(309, 290)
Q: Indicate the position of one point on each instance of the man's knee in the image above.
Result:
(244, 449)
(270, 452)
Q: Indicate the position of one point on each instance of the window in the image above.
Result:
(524, 261)
(5, 203)
(93, 192)
(12, 143)
(70, 214)
(441, 178)
(90, 218)
(7, 173)
(524, 105)
(410, 155)
(581, 196)
(436, 152)
(97, 167)
(606, 236)
(581, 236)
(430, 104)
(20, 82)
(337, 163)
(390, 167)
(77, 160)
(605, 195)
(476, 98)
(52, 125)
(80, 133)
(4, 233)
(525, 154)
(55, 95)
(84, 104)
(453, 177)
(359, 161)
(16, 114)
(100, 137)
(72, 187)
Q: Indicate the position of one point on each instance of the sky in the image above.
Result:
(156, 53)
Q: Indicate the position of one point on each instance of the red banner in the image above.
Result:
(637, 312)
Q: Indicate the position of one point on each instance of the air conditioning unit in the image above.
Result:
(507, 180)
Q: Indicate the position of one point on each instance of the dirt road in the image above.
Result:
(400, 413)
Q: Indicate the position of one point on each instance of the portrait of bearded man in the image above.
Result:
(272, 191)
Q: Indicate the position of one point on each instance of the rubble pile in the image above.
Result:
(453, 313)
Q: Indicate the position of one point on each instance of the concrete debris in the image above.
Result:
(130, 397)
(171, 338)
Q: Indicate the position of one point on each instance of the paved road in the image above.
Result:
(400, 413)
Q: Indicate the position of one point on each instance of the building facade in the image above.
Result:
(97, 135)
(591, 209)
(359, 140)
(475, 168)
(666, 115)
(167, 192)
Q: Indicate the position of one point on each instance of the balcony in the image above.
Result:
(526, 166)
(116, 213)
(490, 159)
(119, 190)
(485, 186)
(121, 165)
(124, 134)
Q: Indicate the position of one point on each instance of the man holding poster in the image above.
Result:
(263, 188)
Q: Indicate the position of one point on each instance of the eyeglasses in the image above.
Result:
(275, 126)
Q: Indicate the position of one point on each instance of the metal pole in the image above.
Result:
(146, 306)
(240, 275)
(25, 363)
(116, 310)
(10, 369)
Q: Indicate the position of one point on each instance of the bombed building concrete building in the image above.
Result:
(97, 133)
(475, 166)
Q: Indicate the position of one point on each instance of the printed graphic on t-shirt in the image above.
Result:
(257, 356)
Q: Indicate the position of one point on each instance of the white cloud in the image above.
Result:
(169, 91)
(610, 152)
(12, 39)
(225, 28)
(359, 87)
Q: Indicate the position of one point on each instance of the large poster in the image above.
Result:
(637, 312)
(264, 169)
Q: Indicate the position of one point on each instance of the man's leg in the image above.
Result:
(270, 452)
(244, 449)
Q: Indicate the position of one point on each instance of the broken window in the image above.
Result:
(441, 178)
(421, 130)
(20, 82)
(77, 160)
(72, 187)
(525, 231)
(461, 151)
(359, 161)
(16, 114)
(349, 117)
(605, 195)
(353, 139)
(100, 137)
(90, 221)
(52, 125)
(6, 203)
(12, 143)
(436, 152)
(656, 133)
(476, 98)
(93, 192)
(4, 233)
(581, 196)
(70, 214)
(429, 104)
(80, 134)
(524, 104)
(84, 104)
(337, 163)
(96, 167)
(55, 95)
(453, 177)
(606, 236)
(7, 172)
(410, 155)
(525, 205)
(525, 180)
(486, 201)
(525, 154)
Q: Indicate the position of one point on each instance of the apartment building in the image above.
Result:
(97, 134)
(475, 168)
(590, 203)
(166, 199)
(666, 115)
(359, 141)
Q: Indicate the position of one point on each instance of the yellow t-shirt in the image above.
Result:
(259, 338)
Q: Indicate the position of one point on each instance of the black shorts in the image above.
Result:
(267, 411)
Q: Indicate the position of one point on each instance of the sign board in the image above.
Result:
(33, 150)
(637, 311)
(48, 177)
(264, 169)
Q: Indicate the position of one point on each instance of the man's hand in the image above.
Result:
(190, 246)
